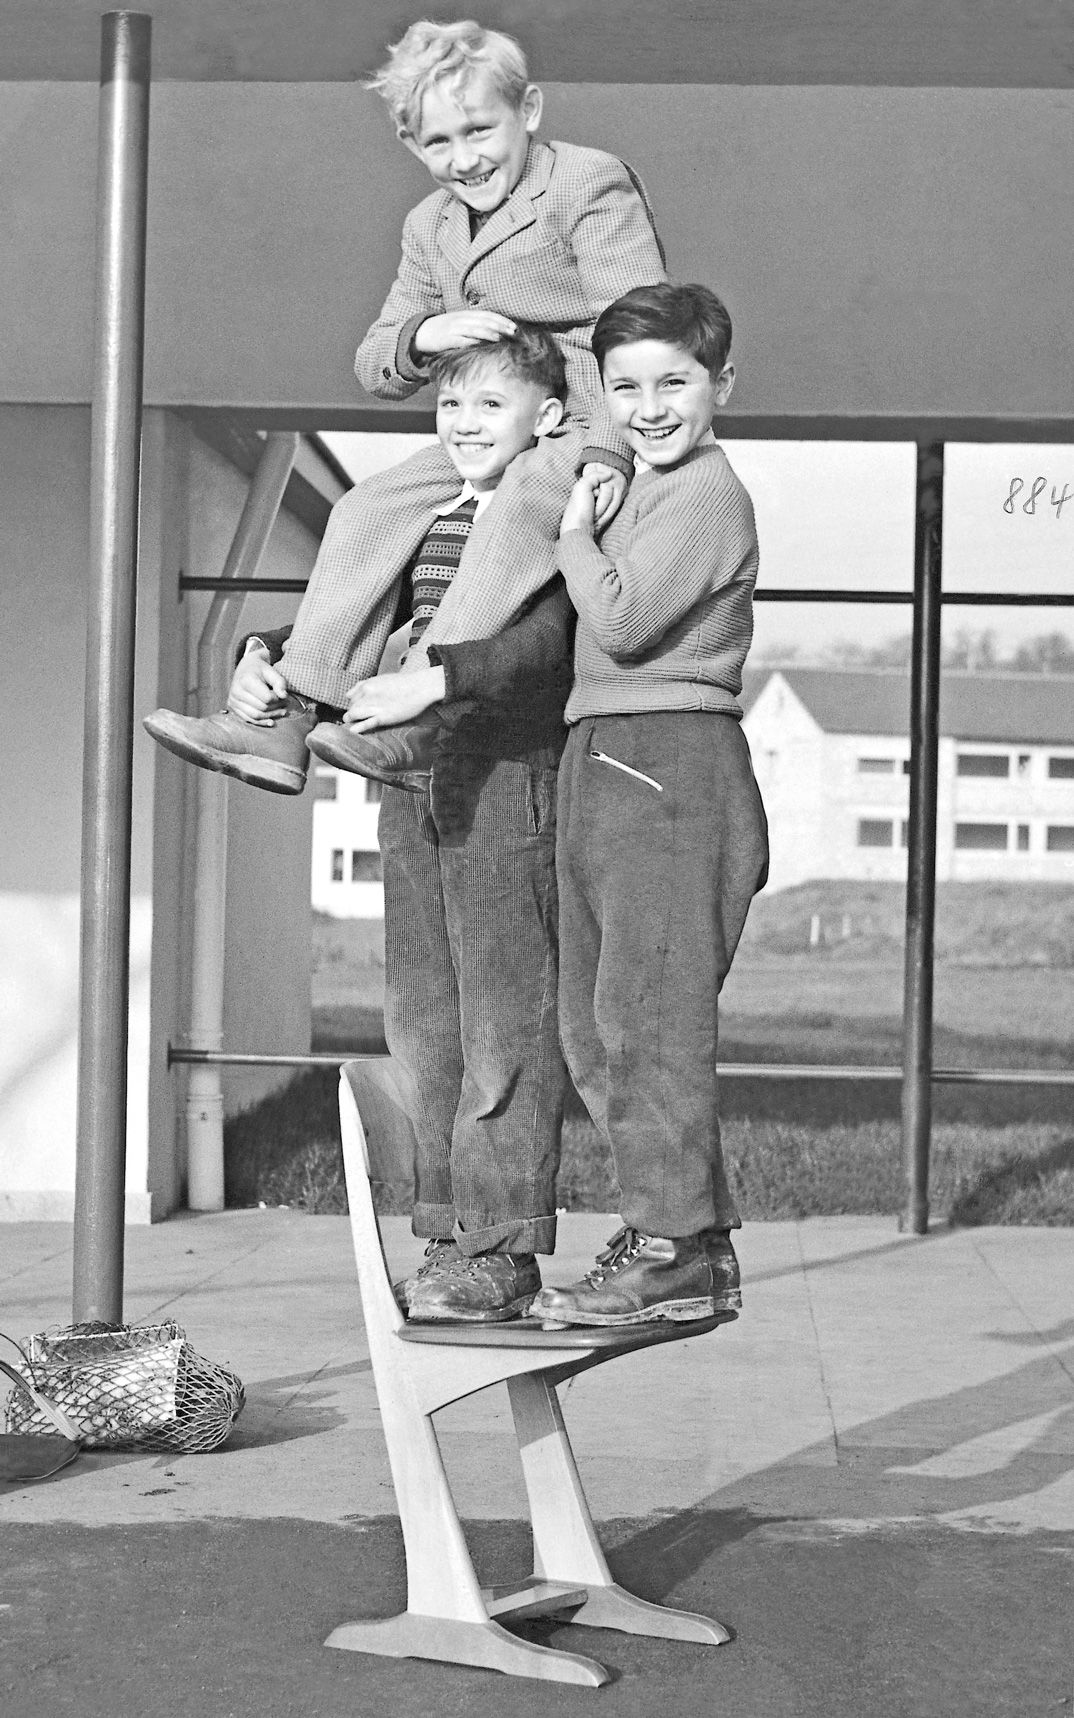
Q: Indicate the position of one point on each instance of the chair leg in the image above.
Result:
(446, 1616)
(485, 1645)
(565, 1543)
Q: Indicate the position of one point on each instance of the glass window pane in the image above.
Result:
(337, 864)
(877, 766)
(875, 831)
(1061, 769)
(983, 763)
(1060, 838)
(990, 836)
(365, 867)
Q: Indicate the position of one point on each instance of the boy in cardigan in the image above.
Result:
(662, 840)
(517, 229)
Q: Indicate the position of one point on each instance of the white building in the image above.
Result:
(831, 751)
(345, 873)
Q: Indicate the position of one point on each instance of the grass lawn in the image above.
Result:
(1004, 998)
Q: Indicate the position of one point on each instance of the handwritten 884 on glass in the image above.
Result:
(1032, 502)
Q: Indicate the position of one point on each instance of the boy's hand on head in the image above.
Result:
(391, 698)
(458, 328)
(611, 491)
(258, 691)
(581, 510)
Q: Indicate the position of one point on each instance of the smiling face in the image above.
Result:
(486, 417)
(662, 398)
(472, 140)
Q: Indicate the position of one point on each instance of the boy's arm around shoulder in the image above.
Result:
(383, 362)
(693, 532)
(533, 654)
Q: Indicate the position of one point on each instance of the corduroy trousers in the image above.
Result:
(662, 844)
(471, 966)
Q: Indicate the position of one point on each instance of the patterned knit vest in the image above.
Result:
(436, 563)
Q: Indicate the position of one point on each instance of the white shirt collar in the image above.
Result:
(467, 493)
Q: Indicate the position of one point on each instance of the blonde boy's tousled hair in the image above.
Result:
(433, 53)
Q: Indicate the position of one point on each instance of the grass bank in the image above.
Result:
(818, 979)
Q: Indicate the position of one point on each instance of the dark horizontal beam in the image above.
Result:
(858, 42)
(366, 416)
(728, 1070)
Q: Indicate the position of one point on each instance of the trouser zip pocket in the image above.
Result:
(603, 758)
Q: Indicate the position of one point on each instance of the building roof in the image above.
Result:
(1007, 708)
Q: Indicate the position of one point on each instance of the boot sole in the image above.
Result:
(243, 766)
(410, 779)
(463, 1315)
(672, 1311)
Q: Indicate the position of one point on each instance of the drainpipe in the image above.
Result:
(204, 1097)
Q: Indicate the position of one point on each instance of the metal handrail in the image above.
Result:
(826, 594)
(731, 1070)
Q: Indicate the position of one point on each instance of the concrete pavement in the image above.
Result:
(873, 1470)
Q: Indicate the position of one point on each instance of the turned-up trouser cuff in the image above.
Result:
(654, 883)
(470, 1008)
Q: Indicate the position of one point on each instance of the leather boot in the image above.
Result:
(638, 1279)
(437, 1254)
(273, 758)
(399, 756)
(488, 1288)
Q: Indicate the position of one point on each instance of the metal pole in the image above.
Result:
(204, 1099)
(921, 863)
(122, 164)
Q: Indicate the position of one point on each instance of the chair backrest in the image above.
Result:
(378, 1145)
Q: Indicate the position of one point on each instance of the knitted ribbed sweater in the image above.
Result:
(664, 601)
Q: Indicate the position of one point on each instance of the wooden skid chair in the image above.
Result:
(420, 1368)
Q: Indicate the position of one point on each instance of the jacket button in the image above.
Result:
(473, 296)
(386, 373)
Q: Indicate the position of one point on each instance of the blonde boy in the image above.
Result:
(547, 233)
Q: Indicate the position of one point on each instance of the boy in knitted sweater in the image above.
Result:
(662, 839)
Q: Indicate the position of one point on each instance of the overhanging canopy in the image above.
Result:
(988, 45)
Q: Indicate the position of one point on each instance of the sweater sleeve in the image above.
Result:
(274, 640)
(533, 654)
(692, 531)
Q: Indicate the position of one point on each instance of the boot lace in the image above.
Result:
(623, 1248)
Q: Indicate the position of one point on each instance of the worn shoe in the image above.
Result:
(726, 1281)
(400, 756)
(486, 1289)
(437, 1253)
(273, 758)
(638, 1279)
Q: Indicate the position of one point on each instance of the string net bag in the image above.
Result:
(127, 1386)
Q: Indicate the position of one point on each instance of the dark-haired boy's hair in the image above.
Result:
(529, 353)
(688, 316)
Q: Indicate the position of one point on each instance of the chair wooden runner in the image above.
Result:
(420, 1368)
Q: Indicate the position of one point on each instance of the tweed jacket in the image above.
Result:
(575, 233)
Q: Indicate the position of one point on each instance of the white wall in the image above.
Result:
(191, 499)
(345, 820)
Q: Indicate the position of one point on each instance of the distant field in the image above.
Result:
(1004, 976)
(1004, 997)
